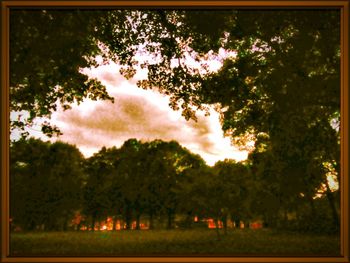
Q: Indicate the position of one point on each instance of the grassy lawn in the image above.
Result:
(174, 242)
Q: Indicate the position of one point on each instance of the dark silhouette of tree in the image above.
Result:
(176, 164)
(48, 49)
(235, 191)
(184, 189)
(166, 165)
(137, 179)
(65, 185)
(45, 187)
(28, 183)
(114, 192)
(206, 195)
(99, 172)
(149, 174)
(130, 171)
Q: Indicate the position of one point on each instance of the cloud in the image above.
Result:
(131, 116)
(141, 114)
(110, 78)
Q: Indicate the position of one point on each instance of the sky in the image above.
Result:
(141, 114)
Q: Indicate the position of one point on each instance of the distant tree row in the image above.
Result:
(51, 182)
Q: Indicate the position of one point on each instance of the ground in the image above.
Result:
(237, 242)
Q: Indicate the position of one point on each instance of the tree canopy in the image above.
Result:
(45, 183)
(280, 55)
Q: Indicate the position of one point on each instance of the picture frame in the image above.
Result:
(342, 5)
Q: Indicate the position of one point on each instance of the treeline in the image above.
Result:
(51, 182)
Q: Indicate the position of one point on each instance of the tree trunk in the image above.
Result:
(189, 219)
(331, 202)
(237, 223)
(65, 223)
(170, 219)
(93, 222)
(114, 224)
(217, 228)
(138, 216)
(246, 224)
(312, 205)
(128, 218)
(236, 220)
(224, 224)
(151, 220)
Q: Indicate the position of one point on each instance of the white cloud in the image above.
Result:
(141, 114)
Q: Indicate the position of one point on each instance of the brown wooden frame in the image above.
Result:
(343, 5)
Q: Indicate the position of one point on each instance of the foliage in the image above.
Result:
(48, 50)
(97, 199)
(157, 179)
(236, 190)
(45, 184)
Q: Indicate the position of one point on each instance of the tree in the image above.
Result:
(151, 172)
(48, 49)
(45, 187)
(171, 165)
(114, 191)
(217, 192)
(168, 161)
(235, 191)
(205, 195)
(267, 90)
(65, 186)
(132, 180)
(184, 189)
(27, 183)
(136, 179)
(97, 202)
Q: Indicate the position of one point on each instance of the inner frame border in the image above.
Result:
(342, 5)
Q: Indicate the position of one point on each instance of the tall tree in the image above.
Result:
(28, 180)
(97, 202)
(235, 191)
(133, 180)
(45, 188)
(65, 186)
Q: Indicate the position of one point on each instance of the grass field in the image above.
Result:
(174, 242)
